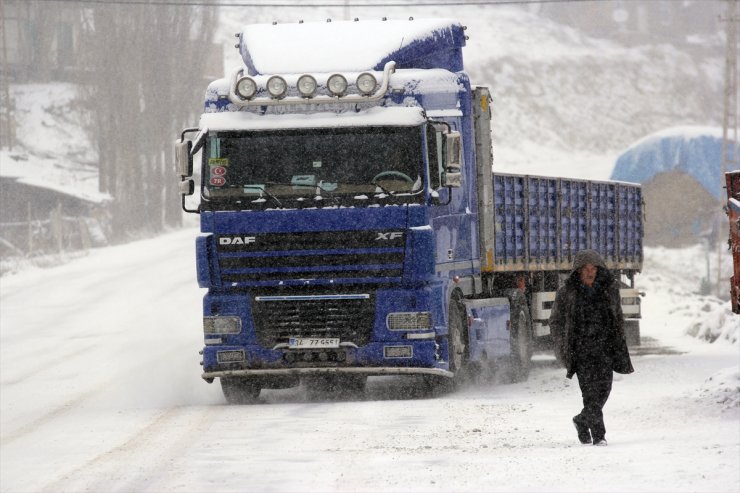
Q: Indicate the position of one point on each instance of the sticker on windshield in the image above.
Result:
(317, 164)
(218, 171)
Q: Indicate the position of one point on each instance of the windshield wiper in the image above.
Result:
(385, 190)
(263, 189)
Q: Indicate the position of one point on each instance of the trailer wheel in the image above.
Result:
(240, 390)
(521, 344)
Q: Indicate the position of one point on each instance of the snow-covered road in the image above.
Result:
(100, 391)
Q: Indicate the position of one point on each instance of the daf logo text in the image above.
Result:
(236, 240)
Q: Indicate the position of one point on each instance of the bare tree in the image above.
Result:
(145, 81)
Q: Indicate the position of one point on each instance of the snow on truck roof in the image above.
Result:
(352, 46)
(379, 116)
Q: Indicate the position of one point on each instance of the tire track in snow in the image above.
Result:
(33, 426)
(74, 403)
(47, 365)
(136, 463)
(105, 457)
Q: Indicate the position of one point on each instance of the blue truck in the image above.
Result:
(352, 224)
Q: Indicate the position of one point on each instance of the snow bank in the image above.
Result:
(714, 321)
(674, 307)
(722, 388)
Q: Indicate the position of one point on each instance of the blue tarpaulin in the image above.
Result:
(696, 151)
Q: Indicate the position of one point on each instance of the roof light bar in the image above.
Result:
(240, 91)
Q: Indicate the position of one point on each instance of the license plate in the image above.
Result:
(313, 342)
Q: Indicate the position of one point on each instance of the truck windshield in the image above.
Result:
(325, 166)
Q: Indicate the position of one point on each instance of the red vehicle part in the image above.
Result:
(733, 211)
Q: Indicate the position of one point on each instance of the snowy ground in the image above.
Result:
(100, 391)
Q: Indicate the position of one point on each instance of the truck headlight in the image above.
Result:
(246, 88)
(337, 84)
(222, 325)
(409, 321)
(366, 83)
(277, 87)
(306, 86)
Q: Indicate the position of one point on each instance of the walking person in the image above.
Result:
(587, 326)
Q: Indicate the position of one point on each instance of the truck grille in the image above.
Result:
(350, 318)
(254, 258)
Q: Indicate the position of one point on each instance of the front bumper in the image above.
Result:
(369, 371)
(379, 358)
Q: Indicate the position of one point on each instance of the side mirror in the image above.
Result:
(452, 177)
(187, 187)
(199, 141)
(184, 151)
(183, 158)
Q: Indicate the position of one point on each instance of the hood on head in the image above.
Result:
(587, 257)
(583, 257)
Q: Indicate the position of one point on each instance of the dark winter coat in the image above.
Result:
(564, 318)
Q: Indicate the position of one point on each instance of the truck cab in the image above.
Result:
(337, 211)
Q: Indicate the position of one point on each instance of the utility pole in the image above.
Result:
(7, 123)
(730, 159)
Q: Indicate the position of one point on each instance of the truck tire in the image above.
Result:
(520, 358)
(456, 337)
(240, 390)
(632, 332)
(457, 353)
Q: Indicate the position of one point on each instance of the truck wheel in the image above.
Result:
(240, 390)
(456, 344)
(632, 332)
(521, 345)
(456, 348)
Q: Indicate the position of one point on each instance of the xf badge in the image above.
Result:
(389, 236)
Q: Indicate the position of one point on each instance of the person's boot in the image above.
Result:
(600, 442)
(584, 434)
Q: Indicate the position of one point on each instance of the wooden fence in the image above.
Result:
(56, 234)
